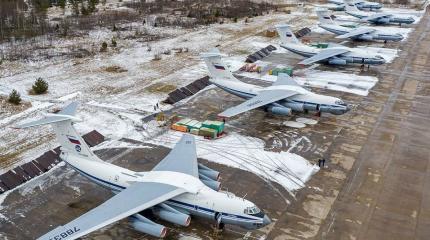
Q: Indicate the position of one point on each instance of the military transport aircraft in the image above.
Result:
(282, 98)
(358, 33)
(335, 54)
(175, 189)
(360, 4)
(377, 18)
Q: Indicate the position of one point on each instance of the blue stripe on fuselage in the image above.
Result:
(190, 206)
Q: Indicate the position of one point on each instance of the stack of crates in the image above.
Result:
(276, 71)
(180, 128)
(215, 125)
(208, 132)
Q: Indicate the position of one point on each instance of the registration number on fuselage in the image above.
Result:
(65, 234)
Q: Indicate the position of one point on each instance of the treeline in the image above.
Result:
(21, 19)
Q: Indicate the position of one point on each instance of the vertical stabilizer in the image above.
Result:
(216, 67)
(324, 16)
(69, 139)
(286, 35)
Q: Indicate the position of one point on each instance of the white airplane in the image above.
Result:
(359, 33)
(175, 189)
(334, 54)
(360, 4)
(283, 97)
(377, 18)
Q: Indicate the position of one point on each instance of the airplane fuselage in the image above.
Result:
(376, 35)
(354, 56)
(391, 19)
(305, 101)
(203, 201)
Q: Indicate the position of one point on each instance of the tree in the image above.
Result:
(40, 86)
(14, 97)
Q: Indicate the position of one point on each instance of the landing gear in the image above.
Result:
(318, 114)
(220, 226)
(385, 41)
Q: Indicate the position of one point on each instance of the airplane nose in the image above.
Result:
(348, 107)
(266, 220)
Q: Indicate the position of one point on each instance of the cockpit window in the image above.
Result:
(252, 210)
(340, 102)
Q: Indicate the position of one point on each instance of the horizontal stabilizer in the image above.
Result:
(44, 121)
(285, 79)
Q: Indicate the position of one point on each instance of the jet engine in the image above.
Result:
(280, 110)
(298, 107)
(209, 177)
(337, 61)
(366, 37)
(310, 107)
(147, 226)
(210, 173)
(172, 215)
(215, 185)
(383, 20)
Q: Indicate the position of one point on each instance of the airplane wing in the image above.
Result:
(182, 158)
(137, 197)
(324, 54)
(356, 32)
(376, 16)
(263, 98)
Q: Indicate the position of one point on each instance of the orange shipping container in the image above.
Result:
(179, 128)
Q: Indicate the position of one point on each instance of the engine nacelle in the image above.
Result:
(298, 107)
(337, 61)
(348, 59)
(147, 226)
(310, 107)
(383, 20)
(215, 185)
(284, 111)
(208, 172)
(172, 215)
(366, 37)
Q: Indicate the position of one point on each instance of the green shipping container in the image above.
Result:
(208, 132)
(216, 125)
(183, 121)
(193, 124)
(195, 131)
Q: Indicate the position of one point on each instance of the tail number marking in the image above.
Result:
(66, 234)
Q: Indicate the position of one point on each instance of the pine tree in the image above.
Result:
(40, 86)
(14, 97)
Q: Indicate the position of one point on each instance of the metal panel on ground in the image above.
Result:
(186, 92)
(93, 138)
(10, 179)
(31, 169)
(20, 172)
(47, 160)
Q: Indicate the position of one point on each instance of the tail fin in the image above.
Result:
(66, 134)
(286, 35)
(324, 16)
(350, 6)
(217, 69)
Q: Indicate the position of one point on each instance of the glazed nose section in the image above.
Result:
(266, 220)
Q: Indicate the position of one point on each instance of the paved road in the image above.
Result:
(387, 193)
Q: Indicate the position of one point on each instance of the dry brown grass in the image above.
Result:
(115, 69)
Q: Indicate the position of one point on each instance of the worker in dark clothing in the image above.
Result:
(323, 162)
(223, 120)
(319, 162)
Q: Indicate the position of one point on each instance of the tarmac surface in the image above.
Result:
(375, 186)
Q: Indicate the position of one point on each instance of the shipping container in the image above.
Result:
(180, 128)
(208, 132)
(195, 131)
(216, 125)
(183, 121)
